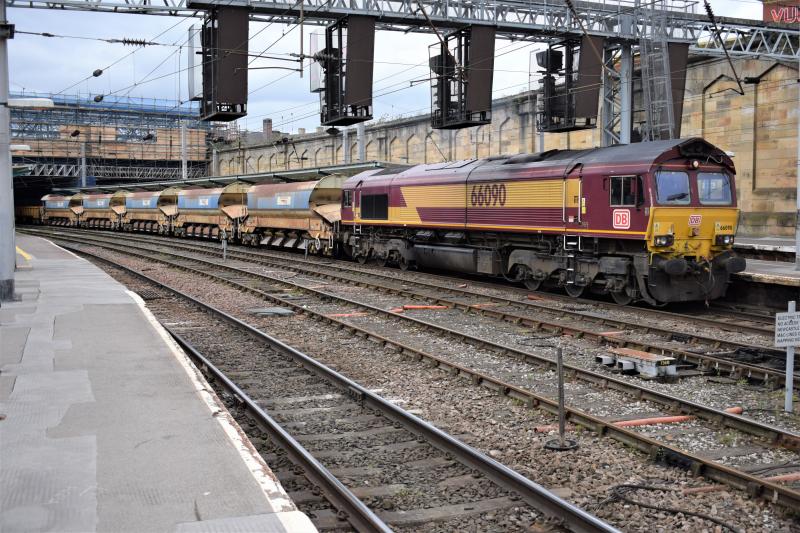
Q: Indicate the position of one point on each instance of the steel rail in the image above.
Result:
(656, 313)
(348, 504)
(776, 436)
(670, 455)
(273, 254)
(739, 328)
(532, 493)
(705, 362)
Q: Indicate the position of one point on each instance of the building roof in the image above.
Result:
(305, 174)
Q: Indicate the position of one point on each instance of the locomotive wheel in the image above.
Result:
(362, 259)
(574, 290)
(533, 284)
(382, 260)
(622, 297)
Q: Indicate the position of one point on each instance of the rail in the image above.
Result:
(355, 511)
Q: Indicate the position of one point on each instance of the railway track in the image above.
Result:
(323, 418)
(717, 315)
(768, 437)
(707, 354)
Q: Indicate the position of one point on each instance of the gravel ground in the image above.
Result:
(632, 314)
(502, 428)
(759, 403)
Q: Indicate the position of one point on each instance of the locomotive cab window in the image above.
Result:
(672, 187)
(714, 188)
(347, 199)
(375, 206)
(626, 191)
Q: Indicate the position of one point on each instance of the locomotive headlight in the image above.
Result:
(694, 164)
(723, 240)
(664, 240)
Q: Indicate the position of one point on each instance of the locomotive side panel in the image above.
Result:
(614, 203)
(517, 205)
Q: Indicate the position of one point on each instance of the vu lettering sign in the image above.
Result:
(787, 12)
(787, 329)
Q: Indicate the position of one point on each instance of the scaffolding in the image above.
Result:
(111, 139)
(656, 73)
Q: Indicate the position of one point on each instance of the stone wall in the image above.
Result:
(759, 127)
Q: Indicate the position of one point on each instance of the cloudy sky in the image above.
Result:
(65, 64)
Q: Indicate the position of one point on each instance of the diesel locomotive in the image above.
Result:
(650, 221)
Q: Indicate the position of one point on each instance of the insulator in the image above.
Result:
(709, 11)
(135, 42)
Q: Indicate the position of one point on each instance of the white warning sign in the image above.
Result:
(787, 329)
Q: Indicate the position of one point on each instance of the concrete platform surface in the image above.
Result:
(106, 425)
(765, 244)
(771, 272)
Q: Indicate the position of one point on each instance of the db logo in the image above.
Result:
(694, 220)
(622, 219)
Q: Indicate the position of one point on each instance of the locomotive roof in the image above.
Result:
(647, 153)
(637, 157)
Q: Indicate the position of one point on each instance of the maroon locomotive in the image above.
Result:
(649, 221)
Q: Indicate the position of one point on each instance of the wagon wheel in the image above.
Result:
(533, 284)
(403, 264)
(382, 260)
(574, 290)
(622, 297)
(361, 258)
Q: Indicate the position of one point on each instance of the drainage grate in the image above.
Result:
(149, 294)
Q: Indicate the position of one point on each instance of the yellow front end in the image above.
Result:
(699, 232)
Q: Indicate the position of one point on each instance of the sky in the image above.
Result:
(65, 64)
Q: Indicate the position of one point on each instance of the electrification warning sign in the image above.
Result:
(787, 329)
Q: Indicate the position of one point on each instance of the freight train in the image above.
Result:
(651, 222)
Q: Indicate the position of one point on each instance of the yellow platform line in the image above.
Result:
(24, 254)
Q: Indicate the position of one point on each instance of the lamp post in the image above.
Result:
(7, 244)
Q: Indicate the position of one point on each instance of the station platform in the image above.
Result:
(784, 245)
(770, 272)
(106, 425)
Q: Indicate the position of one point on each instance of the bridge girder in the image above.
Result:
(535, 20)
